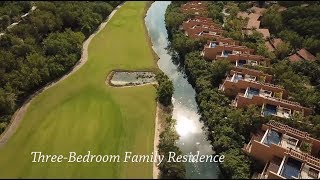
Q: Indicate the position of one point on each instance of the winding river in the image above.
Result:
(190, 129)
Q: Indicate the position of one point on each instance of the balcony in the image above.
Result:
(237, 76)
(290, 167)
(225, 53)
(283, 140)
(268, 110)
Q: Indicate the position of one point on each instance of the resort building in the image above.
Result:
(247, 59)
(252, 87)
(199, 21)
(194, 7)
(271, 103)
(301, 55)
(251, 83)
(254, 21)
(201, 27)
(287, 153)
(214, 50)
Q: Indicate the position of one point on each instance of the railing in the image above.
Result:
(288, 129)
(270, 85)
(304, 157)
(252, 56)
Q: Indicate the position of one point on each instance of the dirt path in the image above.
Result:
(156, 142)
(18, 115)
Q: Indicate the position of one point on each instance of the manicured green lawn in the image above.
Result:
(82, 113)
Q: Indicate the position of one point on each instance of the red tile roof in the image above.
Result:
(294, 58)
(306, 55)
(269, 46)
(276, 42)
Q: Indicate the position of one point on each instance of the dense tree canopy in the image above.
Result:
(164, 89)
(43, 46)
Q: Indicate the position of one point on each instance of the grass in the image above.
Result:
(82, 113)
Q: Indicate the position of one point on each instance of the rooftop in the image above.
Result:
(294, 58)
(306, 55)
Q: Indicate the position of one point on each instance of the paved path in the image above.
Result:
(18, 115)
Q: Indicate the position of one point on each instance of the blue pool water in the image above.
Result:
(272, 137)
(238, 77)
(291, 169)
(212, 45)
(269, 110)
(242, 62)
(226, 53)
(252, 92)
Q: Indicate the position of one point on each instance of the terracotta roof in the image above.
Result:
(269, 46)
(294, 58)
(264, 32)
(252, 23)
(254, 16)
(276, 42)
(306, 55)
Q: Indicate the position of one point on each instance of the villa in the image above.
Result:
(194, 7)
(247, 59)
(240, 79)
(287, 153)
(214, 50)
(201, 27)
(271, 103)
(252, 87)
(302, 54)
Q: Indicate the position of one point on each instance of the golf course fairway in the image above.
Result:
(82, 113)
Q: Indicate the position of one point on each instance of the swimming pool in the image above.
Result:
(272, 137)
(291, 169)
(252, 92)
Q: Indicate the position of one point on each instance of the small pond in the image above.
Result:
(126, 78)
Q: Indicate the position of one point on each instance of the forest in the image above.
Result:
(45, 45)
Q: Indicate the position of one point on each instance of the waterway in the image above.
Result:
(193, 136)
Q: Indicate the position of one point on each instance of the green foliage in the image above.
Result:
(236, 164)
(233, 27)
(294, 78)
(43, 46)
(272, 19)
(283, 50)
(232, 9)
(297, 25)
(214, 12)
(291, 36)
(183, 44)
(11, 11)
(170, 170)
(165, 89)
(306, 147)
(174, 17)
(303, 20)
(243, 5)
